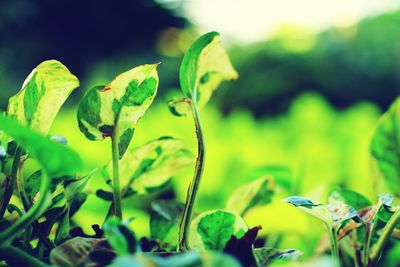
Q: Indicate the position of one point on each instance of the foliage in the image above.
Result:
(40, 229)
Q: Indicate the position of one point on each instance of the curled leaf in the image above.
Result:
(204, 66)
(42, 95)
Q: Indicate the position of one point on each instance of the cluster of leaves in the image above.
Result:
(365, 228)
(40, 231)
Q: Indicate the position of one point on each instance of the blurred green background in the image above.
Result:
(307, 98)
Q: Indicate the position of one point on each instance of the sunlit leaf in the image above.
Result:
(212, 230)
(204, 66)
(349, 197)
(42, 95)
(317, 210)
(258, 192)
(118, 106)
(385, 147)
(265, 256)
(120, 237)
(149, 167)
(164, 220)
(56, 159)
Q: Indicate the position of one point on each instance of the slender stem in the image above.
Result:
(11, 183)
(20, 258)
(334, 246)
(7, 236)
(383, 239)
(194, 185)
(367, 242)
(116, 184)
(27, 205)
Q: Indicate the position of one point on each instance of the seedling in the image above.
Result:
(43, 233)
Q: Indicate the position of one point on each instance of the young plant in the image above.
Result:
(113, 111)
(204, 66)
(56, 160)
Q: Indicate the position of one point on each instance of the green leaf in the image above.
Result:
(212, 230)
(333, 216)
(42, 95)
(164, 220)
(56, 159)
(120, 237)
(265, 256)
(385, 147)
(204, 66)
(316, 210)
(349, 197)
(256, 193)
(150, 167)
(117, 107)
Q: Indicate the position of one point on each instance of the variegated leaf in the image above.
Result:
(116, 108)
(152, 165)
(42, 95)
(212, 230)
(258, 192)
(205, 65)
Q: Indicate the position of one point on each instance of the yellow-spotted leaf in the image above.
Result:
(42, 95)
(151, 166)
(212, 230)
(116, 108)
(385, 147)
(204, 66)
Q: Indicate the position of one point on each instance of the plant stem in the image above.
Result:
(387, 231)
(194, 185)
(7, 236)
(367, 242)
(27, 205)
(20, 258)
(116, 184)
(11, 183)
(334, 246)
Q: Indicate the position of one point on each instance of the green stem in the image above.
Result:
(7, 236)
(116, 184)
(20, 258)
(11, 183)
(334, 246)
(367, 242)
(383, 239)
(27, 205)
(194, 185)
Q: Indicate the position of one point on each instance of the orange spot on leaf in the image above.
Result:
(105, 89)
